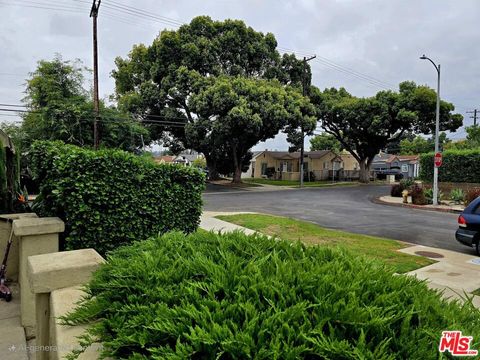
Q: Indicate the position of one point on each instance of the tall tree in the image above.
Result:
(364, 126)
(240, 112)
(158, 82)
(60, 108)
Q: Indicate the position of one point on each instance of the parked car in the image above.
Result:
(468, 232)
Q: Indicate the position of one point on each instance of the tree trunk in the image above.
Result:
(237, 175)
(364, 171)
(212, 168)
(237, 166)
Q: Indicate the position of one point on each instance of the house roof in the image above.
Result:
(186, 157)
(382, 157)
(412, 159)
(165, 159)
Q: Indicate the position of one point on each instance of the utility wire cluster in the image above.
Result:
(146, 119)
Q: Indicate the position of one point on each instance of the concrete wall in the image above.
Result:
(5, 231)
(55, 279)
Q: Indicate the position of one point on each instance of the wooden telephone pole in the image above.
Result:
(96, 106)
(476, 114)
(305, 93)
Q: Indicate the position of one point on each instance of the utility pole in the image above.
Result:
(304, 86)
(96, 106)
(475, 113)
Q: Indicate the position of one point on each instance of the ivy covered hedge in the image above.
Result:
(109, 198)
(232, 296)
(460, 166)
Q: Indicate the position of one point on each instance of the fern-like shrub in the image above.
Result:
(232, 296)
(110, 198)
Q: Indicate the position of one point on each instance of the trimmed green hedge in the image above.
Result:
(232, 296)
(460, 166)
(109, 198)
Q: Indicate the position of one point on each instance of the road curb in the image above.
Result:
(418, 207)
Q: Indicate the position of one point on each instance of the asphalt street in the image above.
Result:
(345, 208)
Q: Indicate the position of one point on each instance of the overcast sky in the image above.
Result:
(378, 41)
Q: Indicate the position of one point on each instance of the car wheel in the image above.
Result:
(477, 248)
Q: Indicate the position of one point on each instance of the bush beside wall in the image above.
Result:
(230, 296)
(461, 166)
(109, 198)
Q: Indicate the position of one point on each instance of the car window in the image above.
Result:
(477, 210)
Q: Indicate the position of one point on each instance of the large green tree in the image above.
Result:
(364, 126)
(210, 62)
(61, 108)
(240, 112)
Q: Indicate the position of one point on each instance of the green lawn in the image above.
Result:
(296, 183)
(370, 246)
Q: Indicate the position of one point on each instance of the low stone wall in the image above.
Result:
(55, 279)
(48, 280)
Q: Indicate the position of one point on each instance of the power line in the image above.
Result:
(13, 105)
(142, 14)
(42, 6)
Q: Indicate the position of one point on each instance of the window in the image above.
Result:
(289, 166)
(264, 168)
(477, 210)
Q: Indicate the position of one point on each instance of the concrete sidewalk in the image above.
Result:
(455, 273)
(210, 223)
(13, 345)
(398, 201)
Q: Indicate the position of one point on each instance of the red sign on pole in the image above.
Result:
(438, 159)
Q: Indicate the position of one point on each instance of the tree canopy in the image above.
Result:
(218, 87)
(472, 140)
(421, 145)
(364, 126)
(325, 141)
(61, 108)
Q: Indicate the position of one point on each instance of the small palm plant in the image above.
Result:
(457, 196)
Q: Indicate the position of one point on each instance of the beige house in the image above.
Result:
(283, 165)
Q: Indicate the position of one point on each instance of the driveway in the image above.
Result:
(349, 209)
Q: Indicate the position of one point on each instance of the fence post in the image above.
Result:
(35, 236)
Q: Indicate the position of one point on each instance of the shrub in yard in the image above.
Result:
(418, 195)
(270, 172)
(109, 198)
(471, 195)
(396, 190)
(458, 166)
(231, 296)
(457, 196)
(407, 183)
